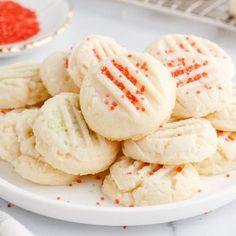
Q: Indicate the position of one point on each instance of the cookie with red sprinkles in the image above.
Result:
(203, 83)
(183, 43)
(179, 142)
(224, 159)
(55, 76)
(91, 50)
(149, 184)
(127, 96)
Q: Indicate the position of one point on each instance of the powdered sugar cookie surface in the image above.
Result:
(39, 172)
(182, 43)
(179, 142)
(90, 51)
(25, 133)
(9, 146)
(134, 183)
(203, 84)
(224, 159)
(66, 143)
(131, 93)
(21, 85)
(225, 119)
(54, 74)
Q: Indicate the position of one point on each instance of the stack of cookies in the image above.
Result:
(156, 119)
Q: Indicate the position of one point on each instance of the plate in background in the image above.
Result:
(53, 16)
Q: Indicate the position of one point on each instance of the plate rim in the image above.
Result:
(26, 200)
(21, 47)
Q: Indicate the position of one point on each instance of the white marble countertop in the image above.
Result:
(135, 28)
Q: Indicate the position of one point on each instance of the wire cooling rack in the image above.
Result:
(214, 12)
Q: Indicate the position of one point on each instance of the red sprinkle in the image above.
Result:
(167, 52)
(79, 181)
(113, 106)
(207, 86)
(220, 133)
(98, 177)
(96, 54)
(179, 169)
(155, 169)
(66, 63)
(129, 173)
(142, 89)
(17, 23)
(144, 66)
(9, 205)
(170, 64)
(199, 50)
(117, 201)
(114, 103)
(182, 46)
(230, 138)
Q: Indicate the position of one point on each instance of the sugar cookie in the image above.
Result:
(9, 146)
(66, 143)
(20, 85)
(203, 86)
(54, 74)
(91, 50)
(224, 159)
(175, 143)
(36, 171)
(181, 43)
(25, 134)
(128, 96)
(134, 183)
(225, 119)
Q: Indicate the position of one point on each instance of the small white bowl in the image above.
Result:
(53, 15)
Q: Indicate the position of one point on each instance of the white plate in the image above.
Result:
(78, 203)
(54, 17)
